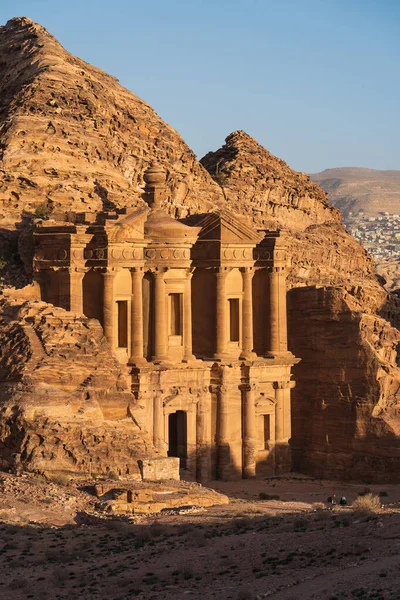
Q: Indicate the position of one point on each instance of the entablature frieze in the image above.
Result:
(174, 256)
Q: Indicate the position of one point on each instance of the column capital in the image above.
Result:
(77, 271)
(137, 271)
(283, 385)
(247, 271)
(221, 272)
(110, 271)
(159, 272)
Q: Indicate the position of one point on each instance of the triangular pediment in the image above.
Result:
(128, 228)
(225, 226)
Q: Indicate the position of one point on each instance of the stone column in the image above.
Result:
(64, 292)
(279, 412)
(76, 291)
(283, 339)
(221, 315)
(282, 427)
(247, 314)
(160, 318)
(203, 436)
(191, 442)
(136, 356)
(108, 306)
(277, 312)
(158, 418)
(249, 432)
(224, 458)
(187, 319)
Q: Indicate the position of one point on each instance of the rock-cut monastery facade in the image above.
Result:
(195, 312)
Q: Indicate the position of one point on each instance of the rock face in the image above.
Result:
(64, 401)
(345, 405)
(258, 184)
(72, 139)
(352, 189)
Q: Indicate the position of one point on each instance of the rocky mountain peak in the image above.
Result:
(257, 182)
(73, 139)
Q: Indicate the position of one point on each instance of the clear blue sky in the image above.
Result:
(314, 81)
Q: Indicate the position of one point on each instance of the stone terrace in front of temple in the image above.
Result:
(196, 312)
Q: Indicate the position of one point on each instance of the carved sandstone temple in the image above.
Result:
(195, 312)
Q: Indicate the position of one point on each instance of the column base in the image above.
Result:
(189, 358)
(137, 362)
(159, 359)
(284, 354)
(248, 356)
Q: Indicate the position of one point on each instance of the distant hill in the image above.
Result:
(352, 189)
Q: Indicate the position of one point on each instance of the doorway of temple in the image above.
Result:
(265, 459)
(177, 436)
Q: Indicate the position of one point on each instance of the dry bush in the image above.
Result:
(264, 496)
(367, 505)
(143, 535)
(60, 575)
(17, 584)
(59, 556)
(187, 571)
(300, 523)
(245, 593)
(6, 515)
(242, 524)
(199, 539)
(59, 479)
(123, 529)
(158, 529)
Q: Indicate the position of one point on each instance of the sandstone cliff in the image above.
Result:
(345, 405)
(64, 403)
(72, 139)
(263, 187)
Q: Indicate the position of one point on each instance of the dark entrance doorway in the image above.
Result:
(177, 435)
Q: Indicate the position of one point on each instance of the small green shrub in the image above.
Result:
(42, 212)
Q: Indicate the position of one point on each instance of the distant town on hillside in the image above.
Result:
(380, 235)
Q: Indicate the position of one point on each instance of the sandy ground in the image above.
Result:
(285, 548)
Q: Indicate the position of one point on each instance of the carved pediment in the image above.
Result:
(226, 227)
(130, 228)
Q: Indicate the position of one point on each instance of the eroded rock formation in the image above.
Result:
(65, 405)
(73, 140)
